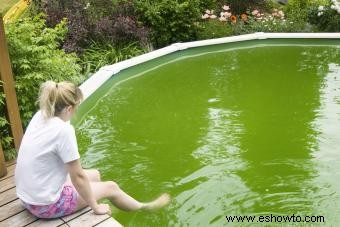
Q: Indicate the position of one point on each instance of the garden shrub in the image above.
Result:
(297, 11)
(170, 21)
(35, 55)
(121, 27)
(99, 20)
(208, 4)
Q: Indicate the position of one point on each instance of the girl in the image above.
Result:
(49, 178)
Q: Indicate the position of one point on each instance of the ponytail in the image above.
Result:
(54, 97)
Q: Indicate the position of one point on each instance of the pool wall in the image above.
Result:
(106, 72)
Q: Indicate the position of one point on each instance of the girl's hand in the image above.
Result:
(102, 208)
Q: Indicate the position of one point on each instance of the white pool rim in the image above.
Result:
(106, 72)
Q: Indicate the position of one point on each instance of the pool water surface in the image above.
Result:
(236, 129)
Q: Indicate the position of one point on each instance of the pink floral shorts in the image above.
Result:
(65, 205)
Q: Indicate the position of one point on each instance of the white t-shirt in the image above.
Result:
(45, 148)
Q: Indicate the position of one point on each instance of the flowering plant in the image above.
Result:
(255, 16)
(326, 17)
(225, 15)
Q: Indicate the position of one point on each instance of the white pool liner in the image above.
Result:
(105, 73)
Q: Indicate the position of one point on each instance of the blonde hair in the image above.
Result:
(54, 97)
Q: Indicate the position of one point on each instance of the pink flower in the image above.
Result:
(213, 16)
(255, 12)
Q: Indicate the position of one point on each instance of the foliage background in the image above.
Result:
(36, 57)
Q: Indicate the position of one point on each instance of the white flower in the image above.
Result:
(226, 8)
(213, 16)
(227, 14)
(87, 5)
(222, 19)
(333, 7)
(321, 8)
(205, 16)
(208, 11)
(281, 13)
(320, 14)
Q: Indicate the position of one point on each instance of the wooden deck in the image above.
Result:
(13, 214)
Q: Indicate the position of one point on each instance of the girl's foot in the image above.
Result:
(158, 203)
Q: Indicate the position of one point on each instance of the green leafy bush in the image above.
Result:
(207, 4)
(297, 11)
(170, 20)
(36, 57)
(35, 54)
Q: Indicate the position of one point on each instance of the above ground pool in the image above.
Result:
(250, 128)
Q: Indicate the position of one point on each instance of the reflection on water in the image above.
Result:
(327, 156)
(279, 135)
(218, 187)
(242, 132)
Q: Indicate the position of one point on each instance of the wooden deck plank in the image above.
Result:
(10, 172)
(21, 219)
(76, 214)
(11, 162)
(46, 223)
(109, 223)
(11, 209)
(88, 219)
(7, 184)
(7, 196)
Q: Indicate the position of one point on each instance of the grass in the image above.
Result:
(5, 5)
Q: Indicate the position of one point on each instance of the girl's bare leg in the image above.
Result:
(92, 175)
(120, 199)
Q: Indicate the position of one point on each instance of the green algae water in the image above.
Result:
(250, 128)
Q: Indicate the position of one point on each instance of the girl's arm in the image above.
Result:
(81, 183)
